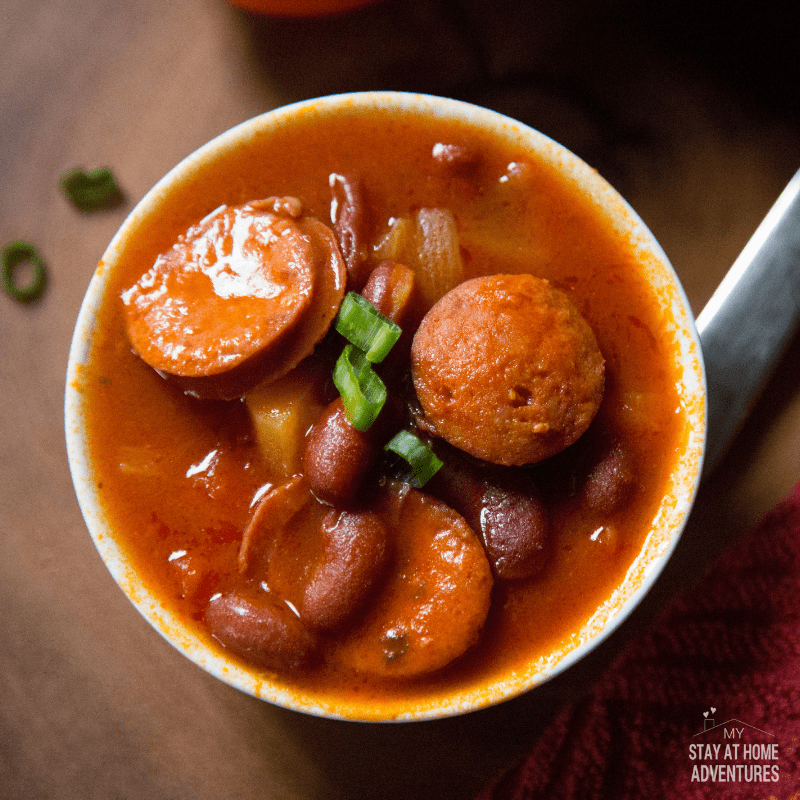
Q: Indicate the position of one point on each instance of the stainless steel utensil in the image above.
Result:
(750, 319)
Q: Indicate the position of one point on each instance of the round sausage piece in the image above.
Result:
(432, 604)
(219, 311)
(507, 369)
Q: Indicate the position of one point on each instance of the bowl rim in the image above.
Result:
(659, 544)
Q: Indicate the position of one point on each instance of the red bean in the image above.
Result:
(351, 225)
(355, 553)
(456, 157)
(337, 456)
(391, 288)
(504, 507)
(261, 630)
(611, 482)
(515, 529)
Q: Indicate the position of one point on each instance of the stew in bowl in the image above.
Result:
(384, 406)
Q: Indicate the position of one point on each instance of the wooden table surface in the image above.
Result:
(696, 123)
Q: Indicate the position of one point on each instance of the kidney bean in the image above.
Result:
(611, 482)
(394, 290)
(504, 506)
(261, 629)
(337, 456)
(355, 553)
(349, 213)
(515, 529)
(390, 288)
(456, 157)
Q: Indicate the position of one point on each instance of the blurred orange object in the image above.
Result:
(299, 8)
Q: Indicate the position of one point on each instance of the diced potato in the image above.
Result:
(398, 242)
(439, 268)
(281, 412)
(428, 244)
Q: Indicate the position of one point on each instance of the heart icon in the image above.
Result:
(713, 709)
(705, 713)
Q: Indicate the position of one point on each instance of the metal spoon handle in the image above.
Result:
(750, 319)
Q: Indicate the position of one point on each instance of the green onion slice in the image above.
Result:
(363, 392)
(363, 325)
(90, 191)
(422, 460)
(14, 254)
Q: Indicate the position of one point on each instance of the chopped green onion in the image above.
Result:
(363, 392)
(422, 460)
(90, 191)
(363, 325)
(14, 254)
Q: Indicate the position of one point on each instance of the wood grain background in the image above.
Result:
(694, 118)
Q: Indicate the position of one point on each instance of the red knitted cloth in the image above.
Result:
(720, 667)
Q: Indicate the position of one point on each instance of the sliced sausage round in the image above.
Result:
(244, 294)
(507, 369)
(432, 604)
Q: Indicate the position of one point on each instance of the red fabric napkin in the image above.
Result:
(721, 667)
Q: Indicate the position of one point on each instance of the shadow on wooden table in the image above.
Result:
(594, 76)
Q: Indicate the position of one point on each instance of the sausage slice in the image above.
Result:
(433, 603)
(507, 369)
(245, 293)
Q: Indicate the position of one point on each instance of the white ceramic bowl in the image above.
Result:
(659, 543)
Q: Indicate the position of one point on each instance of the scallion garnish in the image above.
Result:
(14, 254)
(93, 190)
(422, 460)
(363, 325)
(363, 392)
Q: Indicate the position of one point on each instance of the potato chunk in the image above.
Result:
(428, 243)
(281, 413)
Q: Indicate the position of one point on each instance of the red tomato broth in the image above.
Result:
(543, 224)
